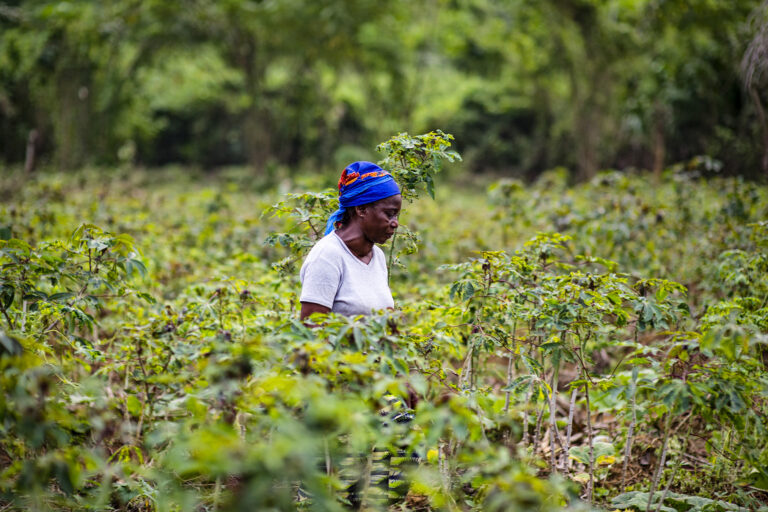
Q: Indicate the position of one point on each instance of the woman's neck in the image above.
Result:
(355, 240)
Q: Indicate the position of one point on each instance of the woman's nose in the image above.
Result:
(393, 222)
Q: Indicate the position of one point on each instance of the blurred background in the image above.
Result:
(523, 85)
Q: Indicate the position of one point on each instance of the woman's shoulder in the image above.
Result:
(322, 258)
(329, 244)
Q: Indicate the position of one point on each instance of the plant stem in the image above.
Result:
(537, 435)
(148, 397)
(566, 451)
(465, 379)
(526, 435)
(328, 467)
(662, 459)
(674, 471)
(591, 484)
(8, 319)
(318, 236)
(631, 429)
(445, 475)
(509, 370)
(552, 415)
(472, 372)
(216, 494)
(509, 382)
(366, 478)
(391, 258)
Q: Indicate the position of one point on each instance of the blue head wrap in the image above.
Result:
(361, 183)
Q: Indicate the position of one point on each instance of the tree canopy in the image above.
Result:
(525, 86)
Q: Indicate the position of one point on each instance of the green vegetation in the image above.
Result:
(305, 84)
(559, 347)
(563, 338)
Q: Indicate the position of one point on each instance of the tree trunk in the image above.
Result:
(30, 158)
(657, 141)
(257, 138)
(257, 127)
(763, 124)
(72, 115)
(587, 134)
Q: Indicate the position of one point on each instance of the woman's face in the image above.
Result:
(379, 219)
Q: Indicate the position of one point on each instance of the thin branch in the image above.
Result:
(591, 484)
(552, 416)
(674, 472)
(621, 360)
(528, 396)
(8, 319)
(391, 258)
(662, 460)
(630, 431)
(537, 434)
(569, 429)
(509, 382)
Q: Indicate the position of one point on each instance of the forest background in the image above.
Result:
(524, 86)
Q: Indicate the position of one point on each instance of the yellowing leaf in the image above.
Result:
(606, 459)
(581, 478)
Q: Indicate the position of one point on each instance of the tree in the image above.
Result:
(754, 68)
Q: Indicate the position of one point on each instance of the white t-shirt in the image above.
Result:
(334, 277)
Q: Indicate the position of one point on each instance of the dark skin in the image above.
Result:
(369, 224)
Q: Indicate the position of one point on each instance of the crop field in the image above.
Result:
(553, 346)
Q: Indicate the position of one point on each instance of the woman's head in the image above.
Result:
(367, 193)
(378, 220)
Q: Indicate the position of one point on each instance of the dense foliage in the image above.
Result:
(556, 346)
(525, 86)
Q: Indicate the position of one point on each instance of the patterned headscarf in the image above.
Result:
(361, 183)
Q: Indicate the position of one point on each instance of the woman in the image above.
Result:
(345, 272)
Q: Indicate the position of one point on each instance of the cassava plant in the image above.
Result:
(55, 288)
(550, 312)
(413, 161)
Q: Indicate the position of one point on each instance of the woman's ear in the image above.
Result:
(360, 210)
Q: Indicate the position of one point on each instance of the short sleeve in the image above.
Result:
(320, 282)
